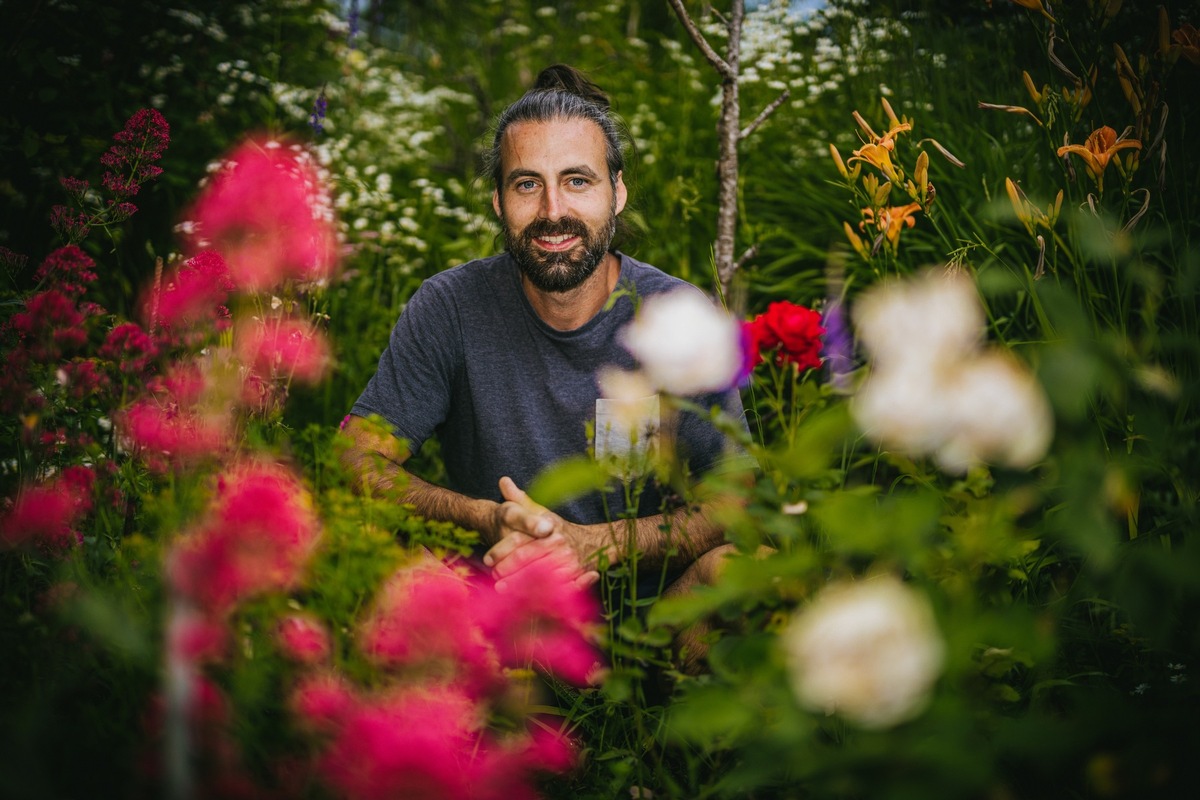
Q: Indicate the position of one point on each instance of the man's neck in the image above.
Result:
(566, 311)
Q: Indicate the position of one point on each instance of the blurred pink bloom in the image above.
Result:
(50, 326)
(429, 615)
(303, 638)
(416, 744)
(67, 269)
(542, 619)
(267, 212)
(322, 701)
(167, 435)
(200, 639)
(283, 348)
(191, 297)
(257, 538)
(45, 515)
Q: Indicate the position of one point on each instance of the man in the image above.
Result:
(498, 358)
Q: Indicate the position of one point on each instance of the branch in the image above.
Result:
(718, 63)
(766, 112)
(750, 253)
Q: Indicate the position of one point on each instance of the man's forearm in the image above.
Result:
(377, 461)
(678, 537)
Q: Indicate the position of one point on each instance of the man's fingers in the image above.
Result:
(537, 520)
(523, 554)
(505, 547)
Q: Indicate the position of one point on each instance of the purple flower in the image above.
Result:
(839, 345)
(317, 118)
(353, 20)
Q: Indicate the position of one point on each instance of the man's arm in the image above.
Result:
(681, 536)
(377, 460)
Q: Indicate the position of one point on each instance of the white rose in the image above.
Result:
(998, 414)
(904, 409)
(930, 318)
(685, 344)
(868, 650)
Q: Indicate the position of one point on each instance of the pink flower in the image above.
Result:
(83, 380)
(67, 269)
(267, 212)
(130, 161)
(191, 297)
(45, 515)
(428, 615)
(130, 348)
(322, 702)
(413, 743)
(542, 619)
(166, 435)
(303, 638)
(51, 325)
(200, 639)
(283, 348)
(257, 538)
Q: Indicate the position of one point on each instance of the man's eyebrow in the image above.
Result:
(518, 174)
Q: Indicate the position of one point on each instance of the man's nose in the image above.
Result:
(552, 203)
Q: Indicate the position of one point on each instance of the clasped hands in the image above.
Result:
(527, 532)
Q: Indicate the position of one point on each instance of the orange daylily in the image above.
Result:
(878, 156)
(1035, 5)
(1098, 149)
(891, 221)
(1187, 39)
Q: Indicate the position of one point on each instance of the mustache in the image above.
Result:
(564, 225)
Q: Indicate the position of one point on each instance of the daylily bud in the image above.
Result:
(1019, 206)
(891, 115)
(921, 173)
(837, 159)
(856, 241)
(881, 194)
(862, 123)
(1038, 96)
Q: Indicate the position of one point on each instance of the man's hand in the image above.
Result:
(528, 532)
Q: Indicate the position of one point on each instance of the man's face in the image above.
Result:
(555, 201)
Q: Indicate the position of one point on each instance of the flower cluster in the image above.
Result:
(934, 389)
(791, 331)
(451, 637)
(129, 164)
(130, 161)
(869, 651)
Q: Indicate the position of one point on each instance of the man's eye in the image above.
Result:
(579, 183)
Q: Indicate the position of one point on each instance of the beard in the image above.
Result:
(559, 272)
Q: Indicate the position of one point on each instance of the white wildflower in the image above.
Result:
(870, 651)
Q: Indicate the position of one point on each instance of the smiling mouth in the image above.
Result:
(561, 241)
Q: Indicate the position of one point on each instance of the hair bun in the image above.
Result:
(565, 78)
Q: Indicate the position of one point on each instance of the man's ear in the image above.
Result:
(496, 202)
(621, 194)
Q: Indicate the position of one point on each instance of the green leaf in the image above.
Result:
(566, 480)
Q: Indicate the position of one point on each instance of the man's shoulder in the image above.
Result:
(648, 279)
(479, 273)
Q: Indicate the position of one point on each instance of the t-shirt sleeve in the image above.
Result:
(411, 387)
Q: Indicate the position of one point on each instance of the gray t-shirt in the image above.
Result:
(471, 362)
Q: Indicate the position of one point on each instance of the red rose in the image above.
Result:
(794, 329)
